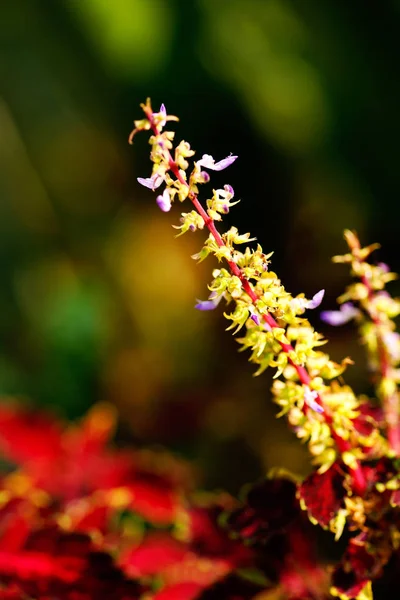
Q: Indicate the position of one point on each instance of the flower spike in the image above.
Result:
(285, 339)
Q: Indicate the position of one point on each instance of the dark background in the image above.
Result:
(97, 297)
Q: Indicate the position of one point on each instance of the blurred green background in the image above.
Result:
(97, 297)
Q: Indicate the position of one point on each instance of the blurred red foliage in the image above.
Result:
(81, 519)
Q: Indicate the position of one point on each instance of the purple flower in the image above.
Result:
(391, 340)
(310, 397)
(212, 302)
(303, 303)
(316, 300)
(346, 313)
(385, 268)
(205, 305)
(208, 162)
(164, 201)
(205, 178)
(255, 318)
(163, 113)
(229, 190)
(152, 182)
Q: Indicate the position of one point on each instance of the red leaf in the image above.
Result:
(153, 556)
(209, 539)
(369, 419)
(323, 494)
(89, 516)
(358, 565)
(154, 499)
(180, 591)
(27, 436)
(269, 507)
(55, 564)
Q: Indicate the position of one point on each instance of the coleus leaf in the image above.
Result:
(268, 508)
(322, 495)
(73, 462)
(153, 556)
(209, 539)
(352, 577)
(369, 418)
(188, 590)
(272, 522)
(56, 564)
(27, 436)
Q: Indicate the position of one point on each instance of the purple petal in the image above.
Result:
(315, 406)
(205, 176)
(346, 313)
(310, 399)
(224, 163)
(213, 300)
(206, 161)
(163, 113)
(164, 201)
(152, 182)
(229, 189)
(316, 300)
(205, 305)
(391, 340)
(147, 182)
(385, 268)
(255, 318)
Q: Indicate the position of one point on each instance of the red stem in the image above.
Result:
(359, 484)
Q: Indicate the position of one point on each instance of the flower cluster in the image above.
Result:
(354, 446)
(374, 309)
